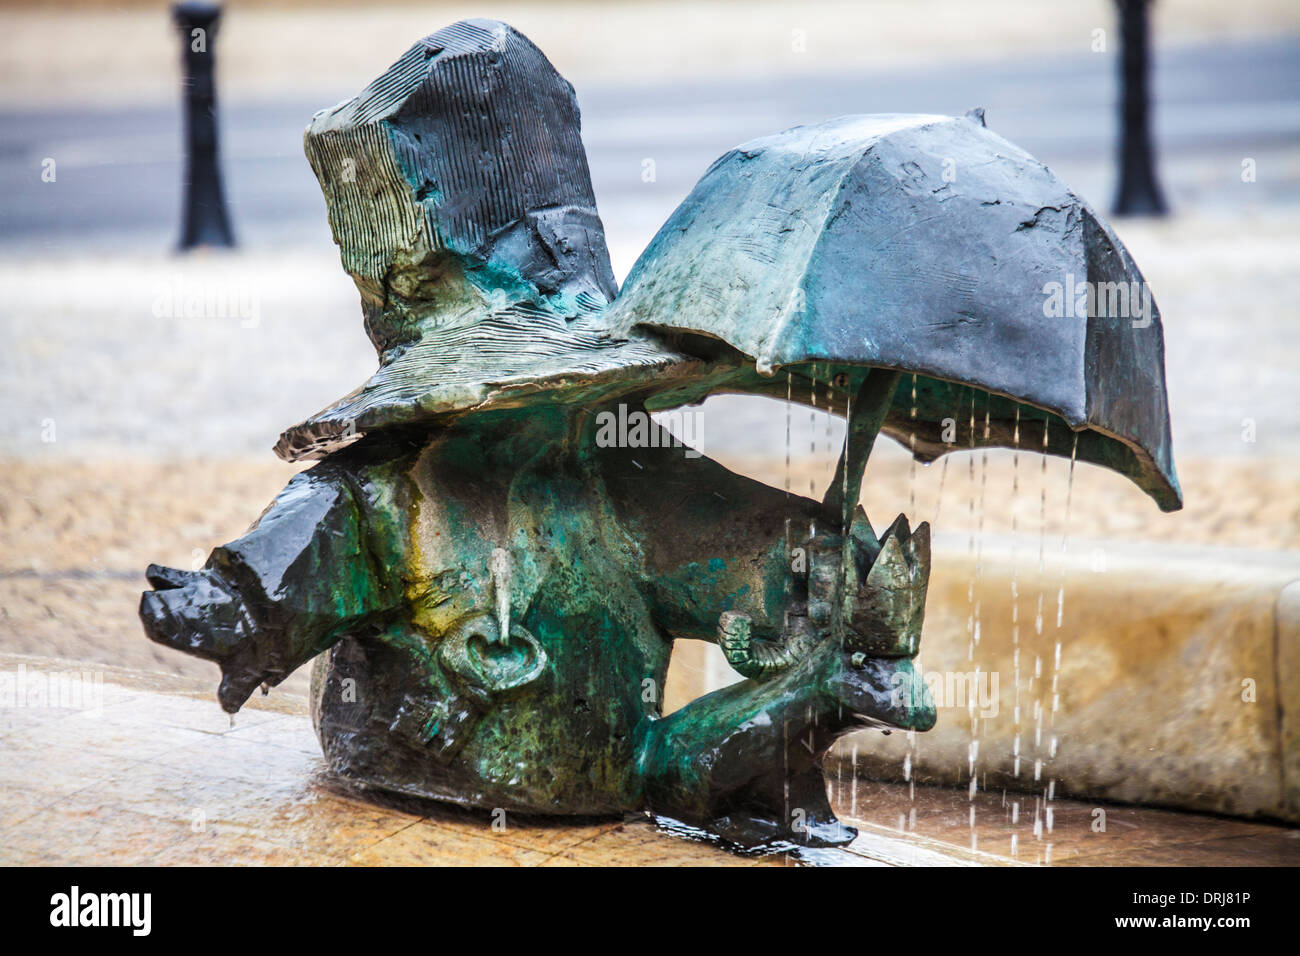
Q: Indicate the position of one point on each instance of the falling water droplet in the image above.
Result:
(789, 406)
(830, 450)
(785, 750)
(1015, 589)
(913, 752)
(911, 447)
(976, 548)
(909, 759)
(853, 782)
(1065, 531)
(812, 433)
(1060, 618)
(943, 480)
(974, 581)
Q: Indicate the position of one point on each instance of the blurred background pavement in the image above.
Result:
(130, 435)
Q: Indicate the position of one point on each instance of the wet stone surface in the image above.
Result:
(156, 774)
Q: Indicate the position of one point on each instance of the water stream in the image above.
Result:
(1036, 665)
(975, 601)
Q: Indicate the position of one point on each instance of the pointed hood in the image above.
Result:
(460, 198)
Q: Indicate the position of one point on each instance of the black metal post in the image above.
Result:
(204, 221)
(1139, 193)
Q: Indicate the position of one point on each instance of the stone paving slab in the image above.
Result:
(1016, 827)
(155, 773)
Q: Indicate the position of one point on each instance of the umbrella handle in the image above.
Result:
(866, 415)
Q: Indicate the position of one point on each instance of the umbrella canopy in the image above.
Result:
(927, 245)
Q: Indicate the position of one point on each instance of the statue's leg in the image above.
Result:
(745, 762)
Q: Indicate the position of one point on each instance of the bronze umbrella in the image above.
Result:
(932, 247)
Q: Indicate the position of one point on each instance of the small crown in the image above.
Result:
(904, 559)
(889, 608)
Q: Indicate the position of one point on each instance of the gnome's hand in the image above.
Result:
(201, 613)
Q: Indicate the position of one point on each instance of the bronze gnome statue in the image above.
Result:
(498, 547)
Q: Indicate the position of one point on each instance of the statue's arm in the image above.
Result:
(304, 574)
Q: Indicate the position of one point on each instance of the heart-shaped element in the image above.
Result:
(486, 665)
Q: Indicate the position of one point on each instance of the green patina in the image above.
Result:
(492, 590)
